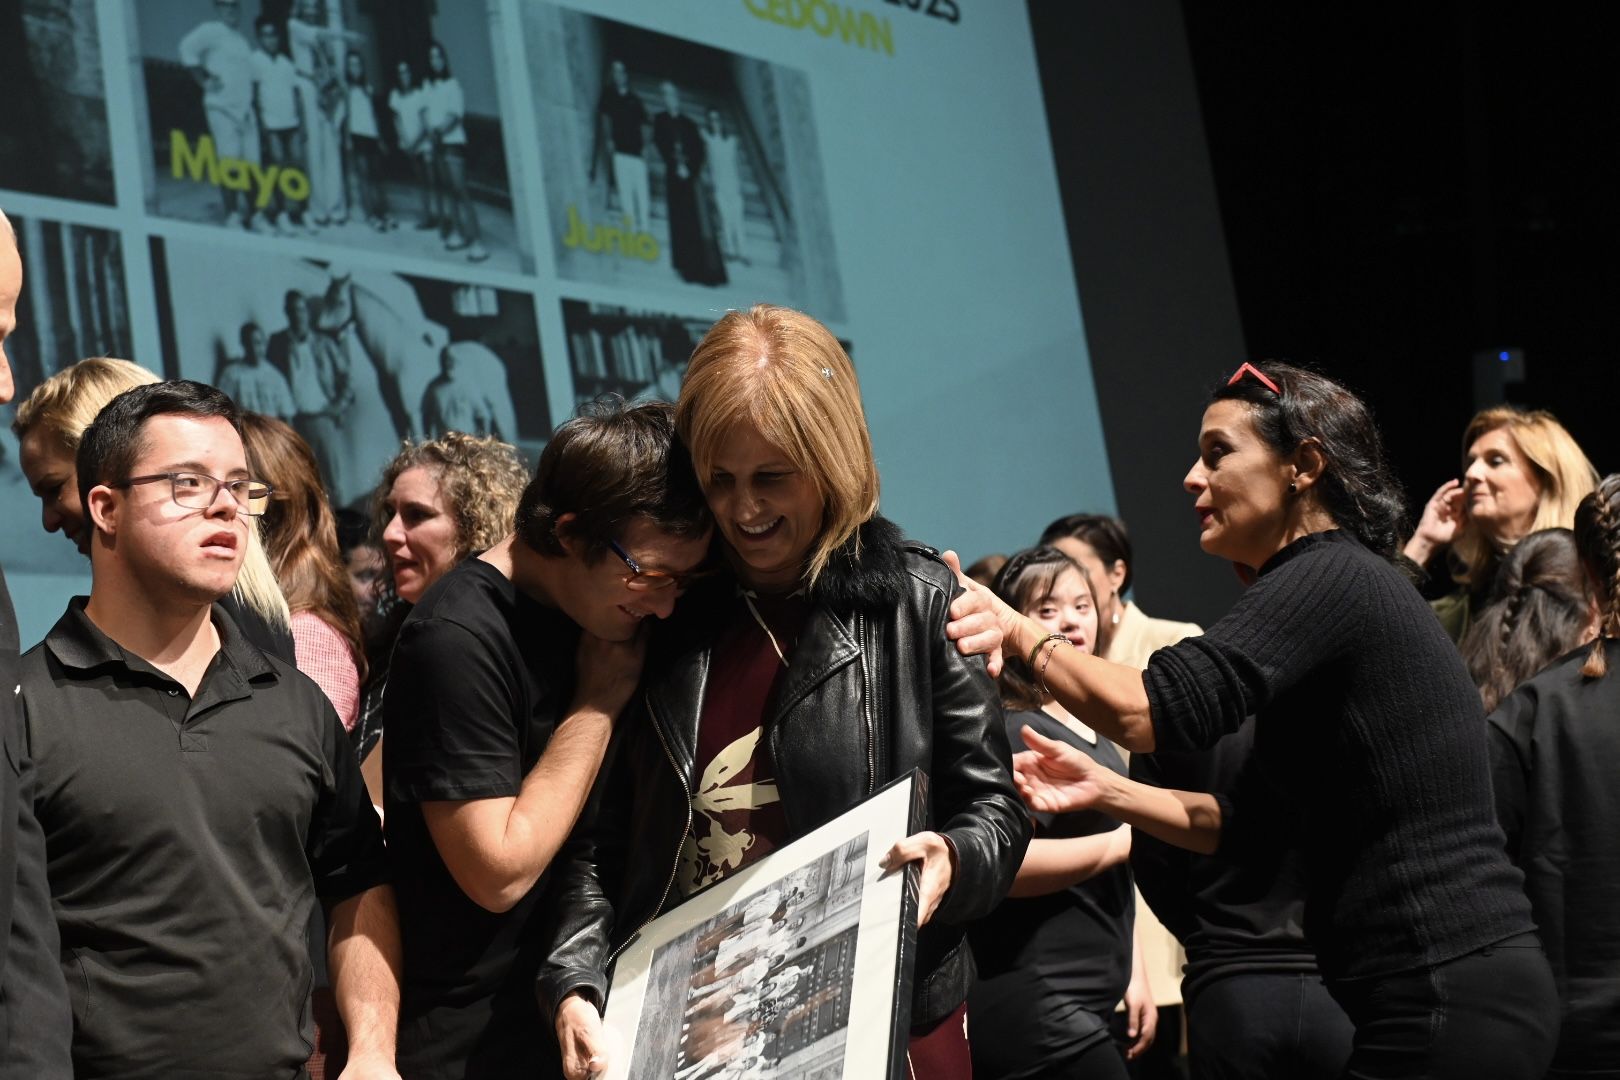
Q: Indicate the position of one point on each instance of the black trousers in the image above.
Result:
(1101, 1060)
(1257, 1026)
(1490, 1015)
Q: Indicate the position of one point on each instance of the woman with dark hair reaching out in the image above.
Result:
(1365, 718)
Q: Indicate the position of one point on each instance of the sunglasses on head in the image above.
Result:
(1247, 368)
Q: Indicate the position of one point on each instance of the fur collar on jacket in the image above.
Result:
(875, 578)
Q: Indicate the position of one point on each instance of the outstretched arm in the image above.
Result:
(1054, 778)
(1053, 864)
(1106, 697)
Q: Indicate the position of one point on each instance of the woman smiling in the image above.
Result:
(787, 690)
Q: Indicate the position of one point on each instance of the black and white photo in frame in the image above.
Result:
(53, 128)
(368, 125)
(354, 357)
(797, 966)
(74, 304)
(668, 162)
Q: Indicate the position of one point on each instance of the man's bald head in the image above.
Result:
(10, 292)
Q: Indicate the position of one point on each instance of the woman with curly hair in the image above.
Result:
(439, 501)
(1523, 472)
(1555, 750)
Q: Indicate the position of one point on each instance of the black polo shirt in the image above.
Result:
(186, 842)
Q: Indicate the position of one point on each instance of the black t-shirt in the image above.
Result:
(626, 117)
(1555, 752)
(480, 677)
(1052, 968)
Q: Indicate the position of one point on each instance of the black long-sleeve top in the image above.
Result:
(1234, 916)
(1555, 752)
(1366, 717)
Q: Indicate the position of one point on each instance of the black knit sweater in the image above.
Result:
(1367, 720)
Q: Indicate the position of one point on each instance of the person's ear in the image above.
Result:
(1116, 574)
(101, 506)
(1309, 463)
(563, 530)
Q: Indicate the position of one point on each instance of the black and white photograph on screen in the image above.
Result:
(53, 129)
(637, 354)
(73, 304)
(356, 359)
(671, 162)
(764, 987)
(365, 124)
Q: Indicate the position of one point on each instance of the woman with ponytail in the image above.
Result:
(1366, 723)
(1540, 608)
(1555, 754)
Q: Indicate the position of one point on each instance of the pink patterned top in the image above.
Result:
(324, 655)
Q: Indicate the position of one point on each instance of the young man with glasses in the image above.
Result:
(196, 795)
(505, 683)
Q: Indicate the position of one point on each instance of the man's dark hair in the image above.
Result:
(353, 529)
(612, 463)
(112, 442)
(1103, 534)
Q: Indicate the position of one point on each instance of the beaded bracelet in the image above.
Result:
(1041, 678)
(1041, 644)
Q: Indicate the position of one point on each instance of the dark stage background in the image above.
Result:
(1398, 187)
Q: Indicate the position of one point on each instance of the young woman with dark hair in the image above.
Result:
(1540, 608)
(1555, 752)
(1366, 719)
(1056, 956)
(300, 536)
(1101, 544)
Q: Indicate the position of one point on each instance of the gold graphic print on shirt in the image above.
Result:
(711, 850)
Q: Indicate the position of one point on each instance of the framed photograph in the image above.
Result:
(355, 358)
(798, 966)
(361, 124)
(669, 163)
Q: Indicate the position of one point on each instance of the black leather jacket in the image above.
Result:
(875, 690)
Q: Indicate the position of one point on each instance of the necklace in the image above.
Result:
(748, 598)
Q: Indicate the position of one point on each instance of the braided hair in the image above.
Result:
(1539, 609)
(1357, 487)
(1597, 536)
(1029, 575)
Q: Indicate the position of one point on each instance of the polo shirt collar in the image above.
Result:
(79, 644)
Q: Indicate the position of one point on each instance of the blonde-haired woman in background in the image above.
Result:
(49, 425)
(1522, 472)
